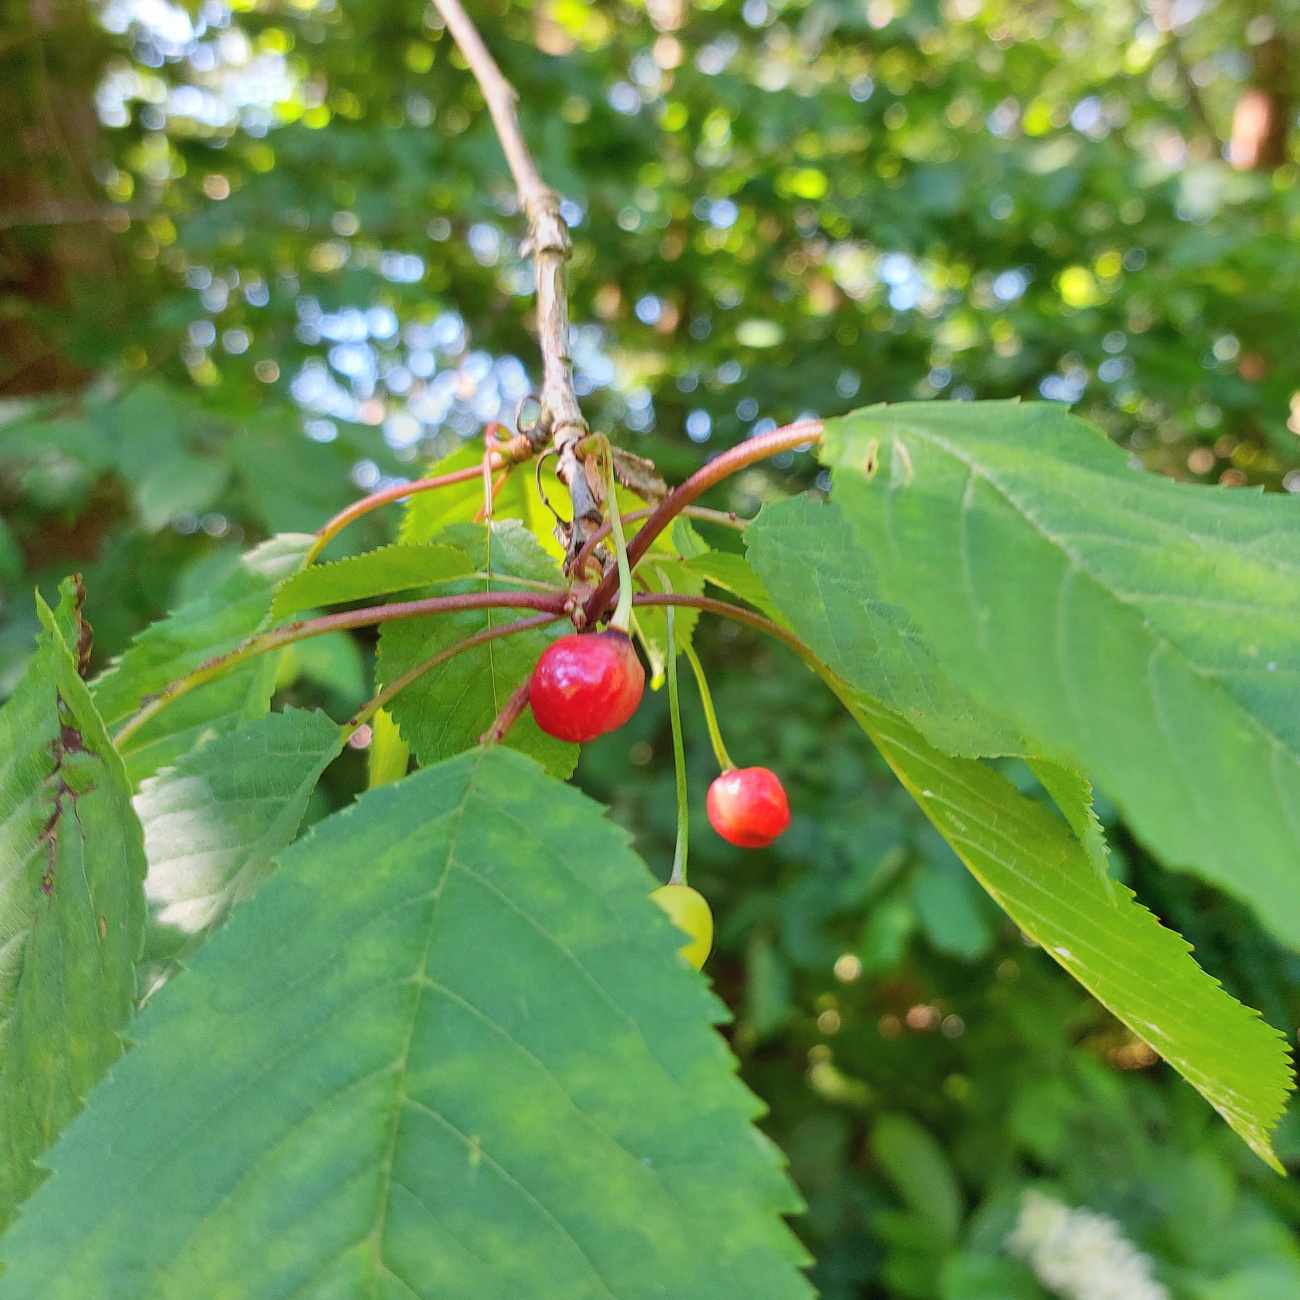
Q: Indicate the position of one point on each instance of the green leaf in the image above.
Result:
(447, 709)
(363, 577)
(915, 1163)
(1030, 862)
(428, 513)
(389, 754)
(1072, 794)
(71, 903)
(333, 663)
(294, 484)
(181, 484)
(734, 574)
(987, 1277)
(831, 590)
(652, 624)
(213, 624)
(213, 823)
(769, 1000)
(1141, 628)
(949, 907)
(447, 1050)
(890, 925)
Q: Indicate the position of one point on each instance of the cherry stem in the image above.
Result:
(738, 613)
(552, 605)
(728, 463)
(623, 610)
(512, 708)
(515, 451)
(710, 717)
(368, 711)
(726, 518)
(277, 638)
(678, 876)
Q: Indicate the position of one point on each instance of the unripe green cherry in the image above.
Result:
(688, 911)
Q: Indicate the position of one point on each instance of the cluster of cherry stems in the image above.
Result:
(588, 684)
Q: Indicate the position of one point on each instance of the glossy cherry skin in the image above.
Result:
(586, 684)
(747, 806)
(689, 912)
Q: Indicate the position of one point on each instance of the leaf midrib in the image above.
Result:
(383, 1190)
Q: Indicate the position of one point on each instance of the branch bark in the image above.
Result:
(562, 420)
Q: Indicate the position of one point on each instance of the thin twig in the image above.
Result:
(65, 214)
(561, 419)
(755, 449)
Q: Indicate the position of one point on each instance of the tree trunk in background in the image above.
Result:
(52, 231)
(1262, 117)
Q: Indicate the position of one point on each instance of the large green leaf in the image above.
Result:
(1142, 628)
(830, 588)
(447, 709)
(1048, 874)
(212, 624)
(448, 1050)
(213, 823)
(1031, 863)
(71, 904)
(363, 577)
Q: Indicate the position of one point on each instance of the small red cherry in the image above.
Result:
(747, 806)
(586, 684)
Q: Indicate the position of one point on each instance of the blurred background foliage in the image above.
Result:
(259, 257)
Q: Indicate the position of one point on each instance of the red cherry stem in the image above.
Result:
(277, 638)
(501, 456)
(710, 716)
(737, 458)
(552, 605)
(367, 711)
(726, 518)
(737, 613)
(511, 709)
(678, 876)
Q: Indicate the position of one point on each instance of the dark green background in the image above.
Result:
(979, 199)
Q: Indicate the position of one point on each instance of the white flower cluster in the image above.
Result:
(1080, 1255)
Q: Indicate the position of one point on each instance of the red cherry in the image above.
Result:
(747, 806)
(586, 684)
